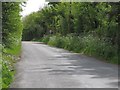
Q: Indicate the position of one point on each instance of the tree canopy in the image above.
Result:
(90, 27)
(64, 18)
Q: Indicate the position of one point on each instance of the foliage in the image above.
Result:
(45, 39)
(11, 24)
(7, 71)
(11, 37)
(85, 20)
(88, 44)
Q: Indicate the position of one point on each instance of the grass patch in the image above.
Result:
(14, 50)
(9, 57)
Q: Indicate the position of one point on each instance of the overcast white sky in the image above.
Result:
(32, 6)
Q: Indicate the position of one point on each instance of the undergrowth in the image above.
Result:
(9, 57)
(89, 45)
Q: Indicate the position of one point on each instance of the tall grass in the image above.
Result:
(9, 57)
(7, 70)
(88, 44)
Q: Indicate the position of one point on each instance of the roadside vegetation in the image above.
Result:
(11, 40)
(88, 45)
(88, 28)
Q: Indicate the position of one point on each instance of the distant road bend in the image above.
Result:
(42, 66)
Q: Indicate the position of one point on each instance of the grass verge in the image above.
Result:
(9, 57)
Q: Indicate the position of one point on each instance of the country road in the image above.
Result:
(42, 66)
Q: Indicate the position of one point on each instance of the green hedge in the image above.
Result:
(11, 39)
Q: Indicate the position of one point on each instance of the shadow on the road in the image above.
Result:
(82, 65)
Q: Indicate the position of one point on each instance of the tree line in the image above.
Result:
(92, 22)
(90, 28)
(79, 18)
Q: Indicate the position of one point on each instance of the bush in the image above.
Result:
(56, 41)
(9, 57)
(99, 47)
(7, 70)
(88, 44)
(73, 43)
(45, 39)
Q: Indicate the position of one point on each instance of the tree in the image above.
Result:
(11, 24)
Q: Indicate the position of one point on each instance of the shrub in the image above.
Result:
(88, 44)
(45, 39)
(56, 41)
(9, 57)
(99, 47)
(7, 70)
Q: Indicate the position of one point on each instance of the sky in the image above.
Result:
(32, 6)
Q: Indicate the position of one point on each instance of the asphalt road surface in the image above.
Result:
(42, 66)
